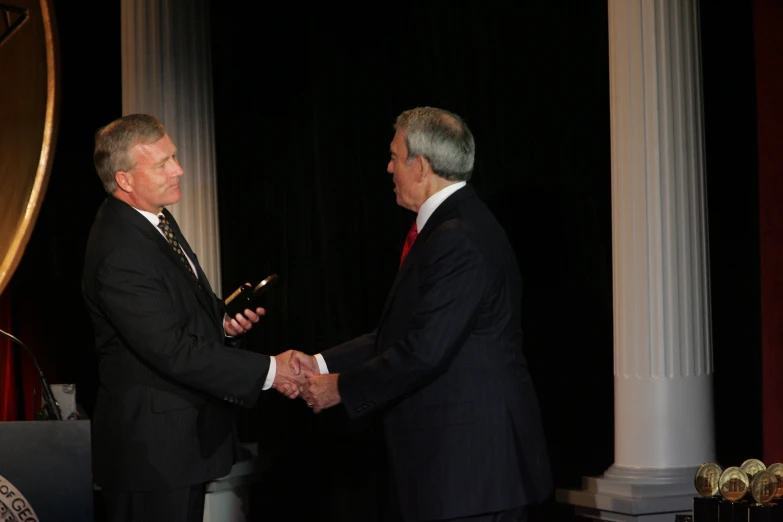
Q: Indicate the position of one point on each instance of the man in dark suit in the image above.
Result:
(445, 367)
(170, 372)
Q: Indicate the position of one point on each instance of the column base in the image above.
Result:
(616, 497)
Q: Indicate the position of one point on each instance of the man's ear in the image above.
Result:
(124, 180)
(423, 168)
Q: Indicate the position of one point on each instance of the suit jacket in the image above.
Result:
(168, 383)
(446, 371)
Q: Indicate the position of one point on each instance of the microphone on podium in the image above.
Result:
(50, 409)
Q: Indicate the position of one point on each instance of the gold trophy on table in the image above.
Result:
(705, 506)
(734, 485)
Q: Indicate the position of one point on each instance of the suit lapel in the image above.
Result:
(430, 226)
(136, 220)
(201, 287)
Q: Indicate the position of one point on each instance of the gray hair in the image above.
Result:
(441, 137)
(113, 144)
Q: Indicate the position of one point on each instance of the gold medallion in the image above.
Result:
(777, 470)
(751, 467)
(764, 486)
(707, 479)
(28, 112)
(733, 484)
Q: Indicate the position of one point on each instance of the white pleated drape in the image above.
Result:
(166, 72)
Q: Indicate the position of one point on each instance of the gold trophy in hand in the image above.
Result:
(248, 296)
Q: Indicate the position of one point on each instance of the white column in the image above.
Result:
(662, 340)
(166, 72)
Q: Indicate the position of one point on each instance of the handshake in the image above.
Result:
(299, 375)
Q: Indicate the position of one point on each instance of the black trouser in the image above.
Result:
(176, 505)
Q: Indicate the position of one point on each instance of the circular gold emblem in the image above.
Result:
(707, 478)
(752, 466)
(733, 483)
(764, 486)
(28, 112)
(777, 470)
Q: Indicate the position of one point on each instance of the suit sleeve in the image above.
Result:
(451, 281)
(351, 353)
(137, 300)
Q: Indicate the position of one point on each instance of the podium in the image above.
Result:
(46, 468)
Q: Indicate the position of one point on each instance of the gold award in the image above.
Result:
(764, 486)
(751, 467)
(707, 479)
(733, 483)
(777, 470)
(28, 111)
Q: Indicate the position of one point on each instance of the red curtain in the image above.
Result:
(768, 21)
(18, 373)
(8, 367)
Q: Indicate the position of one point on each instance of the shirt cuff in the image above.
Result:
(321, 364)
(223, 324)
(270, 376)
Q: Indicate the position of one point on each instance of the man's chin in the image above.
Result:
(174, 197)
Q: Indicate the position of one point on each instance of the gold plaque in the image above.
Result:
(28, 121)
(777, 470)
(707, 479)
(751, 467)
(733, 483)
(764, 486)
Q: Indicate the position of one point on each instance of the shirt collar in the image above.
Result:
(434, 201)
(152, 218)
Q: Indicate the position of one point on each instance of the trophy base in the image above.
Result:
(705, 509)
(733, 511)
(765, 513)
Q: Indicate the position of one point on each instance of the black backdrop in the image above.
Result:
(305, 97)
(304, 102)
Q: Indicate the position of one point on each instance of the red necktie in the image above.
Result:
(409, 239)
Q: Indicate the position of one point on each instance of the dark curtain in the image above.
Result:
(768, 18)
(9, 395)
(305, 99)
(733, 218)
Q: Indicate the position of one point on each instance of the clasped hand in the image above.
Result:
(298, 375)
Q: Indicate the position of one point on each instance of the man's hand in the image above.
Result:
(297, 363)
(287, 382)
(242, 323)
(320, 391)
(300, 362)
